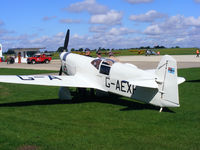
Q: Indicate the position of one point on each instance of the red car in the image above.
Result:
(39, 59)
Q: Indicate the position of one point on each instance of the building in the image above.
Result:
(21, 54)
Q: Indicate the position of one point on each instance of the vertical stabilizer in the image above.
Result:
(167, 81)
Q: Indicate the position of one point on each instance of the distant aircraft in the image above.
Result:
(158, 87)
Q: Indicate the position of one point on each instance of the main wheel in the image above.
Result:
(46, 61)
(33, 62)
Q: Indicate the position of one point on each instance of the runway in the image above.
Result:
(143, 62)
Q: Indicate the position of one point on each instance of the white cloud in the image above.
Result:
(120, 31)
(149, 16)
(98, 29)
(192, 21)
(173, 25)
(69, 21)
(47, 18)
(139, 1)
(153, 29)
(176, 30)
(1, 23)
(110, 18)
(197, 1)
(90, 6)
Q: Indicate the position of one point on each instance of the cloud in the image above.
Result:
(120, 31)
(153, 30)
(176, 30)
(1, 23)
(197, 1)
(149, 16)
(69, 21)
(5, 32)
(192, 21)
(173, 25)
(90, 6)
(47, 18)
(98, 29)
(110, 18)
(139, 1)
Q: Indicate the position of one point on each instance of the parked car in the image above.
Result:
(39, 59)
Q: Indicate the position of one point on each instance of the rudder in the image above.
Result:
(167, 82)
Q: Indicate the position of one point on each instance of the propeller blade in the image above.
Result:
(60, 72)
(66, 40)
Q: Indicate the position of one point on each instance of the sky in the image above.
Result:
(99, 23)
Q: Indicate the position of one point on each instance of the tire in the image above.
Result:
(33, 62)
(46, 61)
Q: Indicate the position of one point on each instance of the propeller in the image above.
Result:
(65, 48)
(66, 40)
(60, 72)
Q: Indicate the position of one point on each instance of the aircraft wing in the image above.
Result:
(50, 80)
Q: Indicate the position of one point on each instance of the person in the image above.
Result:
(88, 52)
(197, 52)
(111, 56)
(98, 54)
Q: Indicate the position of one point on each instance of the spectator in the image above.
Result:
(88, 52)
(111, 56)
(197, 52)
(98, 54)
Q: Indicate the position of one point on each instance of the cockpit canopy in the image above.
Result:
(103, 64)
(108, 62)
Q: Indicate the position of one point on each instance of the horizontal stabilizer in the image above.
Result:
(145, 83)
(181, 80)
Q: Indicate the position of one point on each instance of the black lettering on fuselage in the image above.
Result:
(120, 85)
(129, 88)
(107, 83)
(123, 86)
(117, 85)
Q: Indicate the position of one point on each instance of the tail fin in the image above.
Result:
(168, 81)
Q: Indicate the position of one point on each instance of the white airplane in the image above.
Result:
(158, 87)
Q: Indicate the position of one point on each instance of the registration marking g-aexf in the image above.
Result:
(120, 85)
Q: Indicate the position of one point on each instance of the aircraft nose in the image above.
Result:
(63, 55)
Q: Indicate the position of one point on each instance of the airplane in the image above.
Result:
(158, 87)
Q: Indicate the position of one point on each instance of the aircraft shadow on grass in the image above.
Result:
(193, 81)
(113, 99)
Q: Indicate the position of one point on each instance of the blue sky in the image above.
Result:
(95, 23)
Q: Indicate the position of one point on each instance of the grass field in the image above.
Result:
(32, 117)
(169, 51)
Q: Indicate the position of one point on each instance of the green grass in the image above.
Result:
(169, 51)
(6, 71)
(33, 117)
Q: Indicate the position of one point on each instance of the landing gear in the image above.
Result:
(64, 94)
(161, 109)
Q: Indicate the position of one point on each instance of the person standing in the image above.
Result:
(197, 52)
(111, 56)
(98, 54)
(88, 52)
